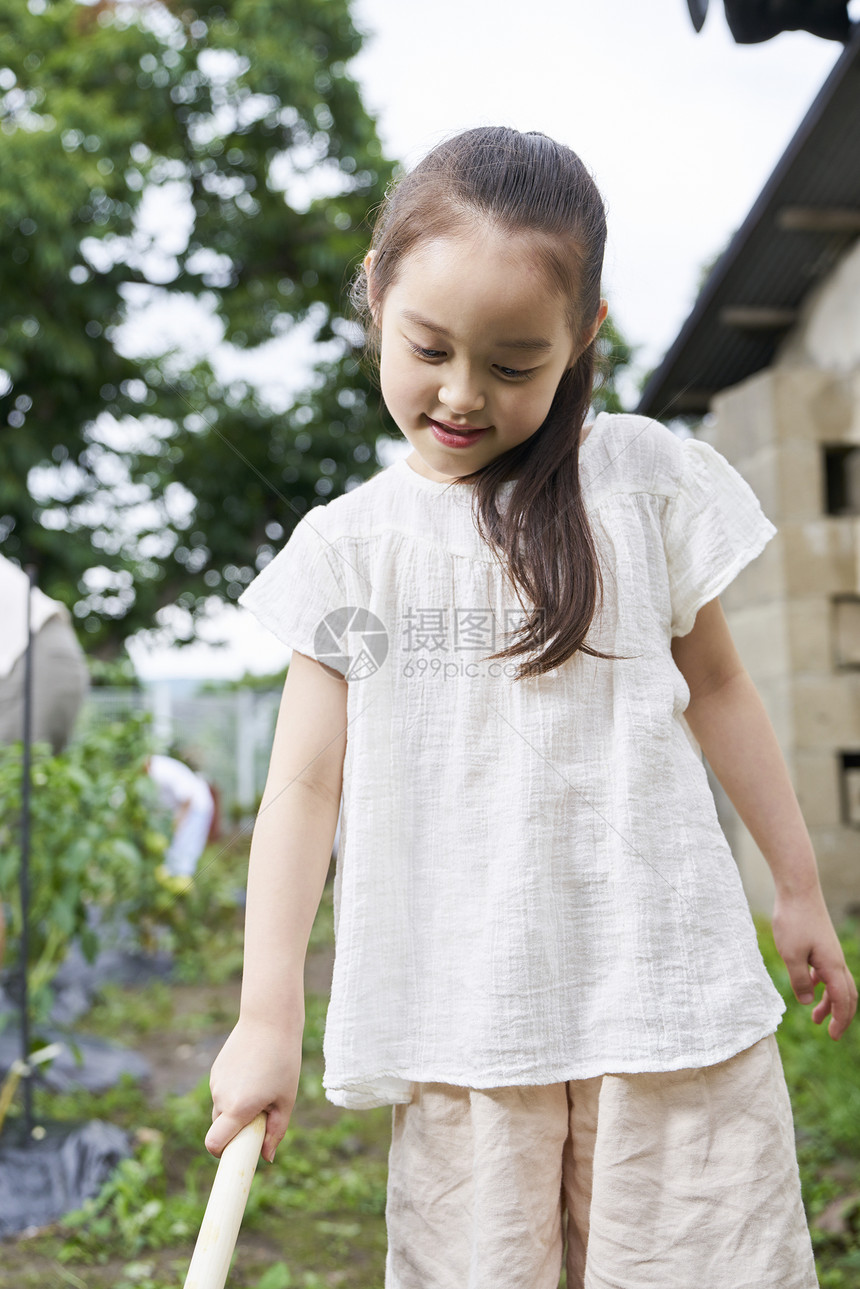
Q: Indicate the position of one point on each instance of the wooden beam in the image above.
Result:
(757, 317)
(819, 219)
(686, 401)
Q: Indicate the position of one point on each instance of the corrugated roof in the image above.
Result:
(805, 218)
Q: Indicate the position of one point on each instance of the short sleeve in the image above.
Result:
(296, 591)
(713, 527)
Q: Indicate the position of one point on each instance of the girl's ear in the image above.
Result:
(598, 322)
(368, 272)
(592, 331)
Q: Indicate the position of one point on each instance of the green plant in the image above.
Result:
(822, 1081)
(94, 844)
(118, 673)
(203, 926)
(272, 681)
(225, 101)
(821, 1074)
(315, 1218)
(277, 1277)
(98, 838)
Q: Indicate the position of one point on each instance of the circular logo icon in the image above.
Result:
(353, 641)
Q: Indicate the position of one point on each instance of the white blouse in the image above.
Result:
(532, 884)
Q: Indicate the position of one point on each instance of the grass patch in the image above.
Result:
(823, 1084)
(315, 1218)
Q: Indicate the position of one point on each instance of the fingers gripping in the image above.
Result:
(225, 1126)
(839, 999)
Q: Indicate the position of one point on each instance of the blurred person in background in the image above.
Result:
(190, 798)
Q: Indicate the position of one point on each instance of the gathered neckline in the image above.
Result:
(466, 490)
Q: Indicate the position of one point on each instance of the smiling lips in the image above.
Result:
(454, 436)
(459, 429)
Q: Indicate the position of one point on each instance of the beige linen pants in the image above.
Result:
(678, 1180)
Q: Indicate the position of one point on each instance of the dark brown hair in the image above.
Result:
(519, 183)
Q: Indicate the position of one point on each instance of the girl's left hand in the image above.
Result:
(807, 942)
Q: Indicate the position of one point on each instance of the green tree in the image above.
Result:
(615, 354)
(135, 483)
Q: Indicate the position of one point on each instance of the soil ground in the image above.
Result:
(317, 1242)
(180, 1054)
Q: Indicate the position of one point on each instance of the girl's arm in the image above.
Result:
(730, 722)
(258, 1067)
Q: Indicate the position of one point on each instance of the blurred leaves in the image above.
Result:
(139, 482)
(98, 834)
(147, 489)
(614, 354)
(92, 843)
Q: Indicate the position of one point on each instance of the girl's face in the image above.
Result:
(473, 337)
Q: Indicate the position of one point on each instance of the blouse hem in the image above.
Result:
(361, 1095)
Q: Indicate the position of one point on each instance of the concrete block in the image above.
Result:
(837, 851)
(744, 417)
(845, 628)
(849, 773)
(799, 471)
(755, 874)
(761, 638)
(761, 580)
(788, 479)
(852, 434)
(809, 632)
(816, 782)
(784, 405)
(811, 405)
(760, 469)
(826, 712)
(827, 333)
(777, 695)
(819, 556)
(836, 411)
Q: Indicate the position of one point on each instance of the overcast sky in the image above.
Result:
(680, 131)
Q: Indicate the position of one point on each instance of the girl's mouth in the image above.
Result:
(453, 438)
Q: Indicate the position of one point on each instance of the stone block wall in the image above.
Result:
(795, 611)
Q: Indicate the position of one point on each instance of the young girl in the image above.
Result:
(509, 657)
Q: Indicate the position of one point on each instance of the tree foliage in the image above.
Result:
(137, 482)
(140, 482)
(614, 356)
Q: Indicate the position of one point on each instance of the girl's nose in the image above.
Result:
(461, 396)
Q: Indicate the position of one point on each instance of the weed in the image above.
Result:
(316, 1217)
(822, 1081)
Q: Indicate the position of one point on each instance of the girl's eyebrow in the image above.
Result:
(528, 342)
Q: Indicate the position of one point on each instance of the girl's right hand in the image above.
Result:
(256, 1070)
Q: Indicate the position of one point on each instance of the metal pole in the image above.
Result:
(24, 877)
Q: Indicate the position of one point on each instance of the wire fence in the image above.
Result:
(225, 737)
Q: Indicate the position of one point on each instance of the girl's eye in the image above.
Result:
(432, 355)
(426, 353)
